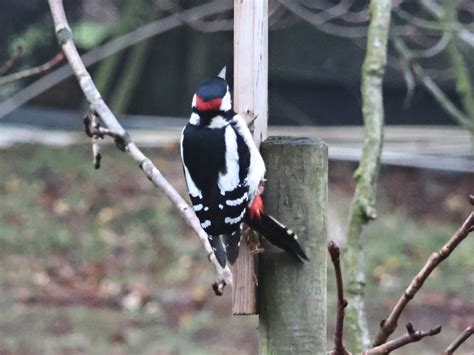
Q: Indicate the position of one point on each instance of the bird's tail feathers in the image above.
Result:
(217, 248)
(232, 246)
(277, 234)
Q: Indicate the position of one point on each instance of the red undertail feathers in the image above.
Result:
(256, 208)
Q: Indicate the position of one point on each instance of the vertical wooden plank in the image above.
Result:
(292, 296)
(250, 100)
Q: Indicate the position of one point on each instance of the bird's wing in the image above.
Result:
(256, 168)
(216, 163)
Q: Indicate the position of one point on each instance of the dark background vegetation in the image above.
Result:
(313, 77)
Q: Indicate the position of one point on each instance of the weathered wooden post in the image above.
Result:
(292, 296)
(250, 100)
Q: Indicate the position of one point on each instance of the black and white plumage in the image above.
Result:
(224, 172)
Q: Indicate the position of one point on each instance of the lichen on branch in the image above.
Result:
(362, 208)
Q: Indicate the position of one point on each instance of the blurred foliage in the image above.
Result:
(89, 34)
(32, 38)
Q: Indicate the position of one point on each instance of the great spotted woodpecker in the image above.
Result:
(224, 173)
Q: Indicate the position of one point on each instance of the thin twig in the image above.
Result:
(388, 326)
(10, 61)
(415, 20)
(323, 24)
(339, 348)
(93, 130)
(349, 16)
(33, 71)
(459, 340)
(412, 336)
(434, 50)
(123, 140)
(195, 22)
(430, 86)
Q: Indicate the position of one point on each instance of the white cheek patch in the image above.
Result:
(226, 103)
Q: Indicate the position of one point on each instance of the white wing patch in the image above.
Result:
(237, 201)
(230, 180)
(206, 223)
(257, 167)
(197, 208)
(230, 220)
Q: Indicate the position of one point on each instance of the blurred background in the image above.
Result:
(99, 262)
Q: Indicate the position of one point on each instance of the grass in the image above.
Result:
(65, 226)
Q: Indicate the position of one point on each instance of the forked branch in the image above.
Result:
(389, 325)
(123, 140)
(411, 336)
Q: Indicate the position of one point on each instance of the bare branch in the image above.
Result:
(412, 336)
(322, 23)
(123, 140)
(416, 21)
(467, 37)
(194, 20)
(335, 11)
(388, 326)
(436, 49)
(409, 79)
(432, 7)
(464, 86)
(10, 61)
(93, 130)
(347, 16)
(459, 340)
(430, 86)
(339, 348)
(33, 71)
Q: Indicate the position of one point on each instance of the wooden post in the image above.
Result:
(250, 100)
(292, 296)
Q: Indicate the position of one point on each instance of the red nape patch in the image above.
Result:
(213, 104)
(256, 209)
